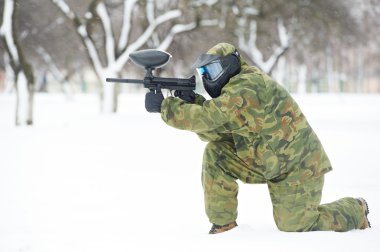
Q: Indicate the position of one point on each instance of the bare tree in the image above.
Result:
(22, 70)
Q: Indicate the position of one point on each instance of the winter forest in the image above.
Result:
(71, 46)
(83, 165)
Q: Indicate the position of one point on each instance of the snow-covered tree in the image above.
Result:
(248, 43)
(21, 69)
(116, 52)
(267, 29)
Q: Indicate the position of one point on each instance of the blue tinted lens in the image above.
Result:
(213, 70)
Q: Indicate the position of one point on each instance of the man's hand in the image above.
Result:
(153, 102)
(186, 95)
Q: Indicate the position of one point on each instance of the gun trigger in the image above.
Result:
(158, 89)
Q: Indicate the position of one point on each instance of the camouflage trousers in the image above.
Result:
(295, 207)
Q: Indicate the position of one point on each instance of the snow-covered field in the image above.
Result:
(83, 181)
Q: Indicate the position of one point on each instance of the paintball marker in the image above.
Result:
(151, 59)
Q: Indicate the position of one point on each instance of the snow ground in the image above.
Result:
(82, 181)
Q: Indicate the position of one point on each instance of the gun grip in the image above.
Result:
(158, 89)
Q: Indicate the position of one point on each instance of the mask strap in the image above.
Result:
(236, 53)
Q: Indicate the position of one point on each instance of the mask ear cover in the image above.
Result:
(231, 67)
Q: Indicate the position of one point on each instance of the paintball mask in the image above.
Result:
(216, 71)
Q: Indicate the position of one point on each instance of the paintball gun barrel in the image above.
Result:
(151, 59)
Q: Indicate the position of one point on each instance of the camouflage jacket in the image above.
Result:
(269, 131)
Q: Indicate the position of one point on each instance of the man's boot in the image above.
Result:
(216, 229)
(365, 208)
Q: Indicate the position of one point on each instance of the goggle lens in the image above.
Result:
(211, 71)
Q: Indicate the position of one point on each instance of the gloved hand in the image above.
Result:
(186, 95)
(153, 102)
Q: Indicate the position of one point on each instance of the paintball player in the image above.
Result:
(256, 133)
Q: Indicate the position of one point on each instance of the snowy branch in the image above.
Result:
(279, 51)
(282, 33)
(250, 46)
(209, 3)
(62, 5)
(127, 24)
(150, 11)
(90, 46)
(251, 11)
(107, 26)
(179, 28)
(145, 36)
(82, 31)
(6, 30)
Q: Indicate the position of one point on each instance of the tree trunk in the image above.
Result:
(360, 71)
(24, 109)
(109, 94)
(331, 78)
(302, 72)
(279, 74)
(9, 79)
(24, 80)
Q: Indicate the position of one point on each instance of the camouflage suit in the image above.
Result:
(258, 134)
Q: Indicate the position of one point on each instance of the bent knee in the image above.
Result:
(287, 228)
(302, 225)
